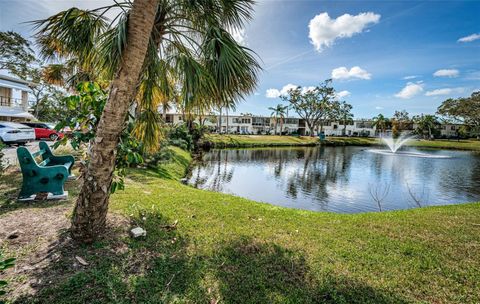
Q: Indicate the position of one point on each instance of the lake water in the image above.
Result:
(340, 179)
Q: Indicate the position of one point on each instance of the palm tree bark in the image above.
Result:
(89, 215)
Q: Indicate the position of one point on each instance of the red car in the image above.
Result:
(45, 130)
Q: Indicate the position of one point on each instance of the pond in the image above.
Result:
(340, 179)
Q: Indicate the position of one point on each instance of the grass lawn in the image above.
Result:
(238, 141)
(206, 247)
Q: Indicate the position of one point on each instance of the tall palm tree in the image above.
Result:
(381, 123)
(278, 113)
(138, 52)
(90, 211)
(345, 115)
(426, 124)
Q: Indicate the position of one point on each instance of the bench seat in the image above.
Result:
(49, 175)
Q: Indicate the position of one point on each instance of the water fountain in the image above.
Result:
(395, 144)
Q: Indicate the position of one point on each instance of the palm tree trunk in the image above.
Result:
(89, 215)
(220, 121)
(228, 127)
(164, 112)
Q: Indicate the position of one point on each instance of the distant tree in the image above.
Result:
(464, 110)
(328, 104)
(400, 122)
(16, 53)
(381, 123)
(344, 115)
(427, 125)
(278, 113)
(314, 106)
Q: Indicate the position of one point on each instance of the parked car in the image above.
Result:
(45, 130)
(15, 133)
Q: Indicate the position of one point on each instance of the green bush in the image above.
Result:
(2, 168)
(4, 264)
(180, 136)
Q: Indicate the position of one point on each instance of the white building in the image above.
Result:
(360, 127)
(14, 99)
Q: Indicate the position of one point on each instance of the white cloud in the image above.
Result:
(355, 72)
(239, 35)
(410, 90)
(444, 91)
(379, 108)
(323, 30)
(469, 38)
(275, 93)
(410, 77)
(272, 93)
(342, 94)
(446, 73)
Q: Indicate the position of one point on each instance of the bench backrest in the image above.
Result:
(27, 159)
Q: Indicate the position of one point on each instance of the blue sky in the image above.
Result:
(383, 41)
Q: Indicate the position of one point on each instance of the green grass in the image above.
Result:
(239, 141)
(470, 144)
(233, 250)
(243, 141)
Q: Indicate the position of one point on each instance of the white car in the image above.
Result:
(15, 133)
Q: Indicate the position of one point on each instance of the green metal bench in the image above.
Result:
(47, 176)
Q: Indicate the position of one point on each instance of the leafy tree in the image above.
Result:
(427, 125)
(149, 43)
(278, 113)
(343, 113)
(16, 54)
(314, 106)
(464, 110)
(400, 122)
(381, 123)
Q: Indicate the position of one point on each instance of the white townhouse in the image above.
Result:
(358, 127)
(14, 99)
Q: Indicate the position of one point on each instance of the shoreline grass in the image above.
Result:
(246, 141)
(464, 144)
(211, 247)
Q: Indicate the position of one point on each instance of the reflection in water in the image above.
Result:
(340, 179)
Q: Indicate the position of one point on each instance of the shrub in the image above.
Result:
(4, 264)
(2, 168)
(180, 136)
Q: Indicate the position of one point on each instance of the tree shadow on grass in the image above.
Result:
(256, 272)
(120, 269)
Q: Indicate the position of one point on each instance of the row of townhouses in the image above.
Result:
(14, 106)
(252, 124)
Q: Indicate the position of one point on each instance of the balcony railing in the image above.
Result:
(10, 102)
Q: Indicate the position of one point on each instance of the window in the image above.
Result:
(452, 128)
(335, 127)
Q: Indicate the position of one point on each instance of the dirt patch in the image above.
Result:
(46, 255)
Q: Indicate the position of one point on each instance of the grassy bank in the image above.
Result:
(244, 141)
(206, 247)
(472, 144)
